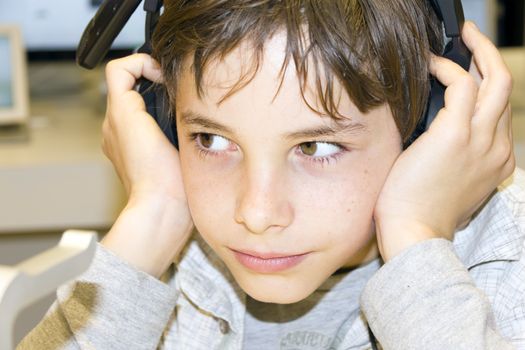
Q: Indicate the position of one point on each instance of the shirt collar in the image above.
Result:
(206, 281)
(493, 234)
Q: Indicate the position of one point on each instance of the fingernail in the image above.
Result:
(474, 25)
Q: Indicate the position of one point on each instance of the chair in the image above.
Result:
(36, 277)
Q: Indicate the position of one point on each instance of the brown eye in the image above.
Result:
(213, 142)
(206, 140)
(309, 148)
(318, 149)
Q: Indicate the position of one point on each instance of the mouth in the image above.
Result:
(268, 262)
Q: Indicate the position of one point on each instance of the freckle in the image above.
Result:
(348, 210)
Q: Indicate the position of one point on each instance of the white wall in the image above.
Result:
(484, 14)
(59, 24)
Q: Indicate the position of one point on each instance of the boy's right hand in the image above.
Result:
(156, 222)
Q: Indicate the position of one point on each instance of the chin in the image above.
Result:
(277, 298)
(275, 289)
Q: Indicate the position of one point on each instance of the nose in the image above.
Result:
(263, 202)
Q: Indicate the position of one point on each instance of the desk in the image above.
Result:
(60, 179)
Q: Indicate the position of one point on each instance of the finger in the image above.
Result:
(486, 55)
(474, 72)
(493, 97)
(504, 127)
(507, 118)
(122, 74)
(502, 146)
(496, 85)
(461, 89)
(511, 136)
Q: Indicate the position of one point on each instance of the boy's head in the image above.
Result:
(290, 114)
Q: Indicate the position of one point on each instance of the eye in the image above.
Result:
(212, 142)
(319, 149)
(320, 153)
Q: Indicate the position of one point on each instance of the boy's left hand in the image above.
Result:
(449, 171)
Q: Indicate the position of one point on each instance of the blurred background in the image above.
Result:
(53, 175)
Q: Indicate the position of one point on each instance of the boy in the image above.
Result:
(291, 119)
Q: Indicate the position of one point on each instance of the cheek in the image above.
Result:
(351, 191)
(208, 193)
(343, 208)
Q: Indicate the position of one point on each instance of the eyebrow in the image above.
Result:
(193, 118)
(189, 117)
(327, 131)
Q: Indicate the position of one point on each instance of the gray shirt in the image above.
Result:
(320, 321)
(465, 294)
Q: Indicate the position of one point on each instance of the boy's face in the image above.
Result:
(284, 196)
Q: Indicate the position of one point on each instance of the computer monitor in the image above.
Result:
(13, 77)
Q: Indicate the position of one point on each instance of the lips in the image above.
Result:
(268, 262)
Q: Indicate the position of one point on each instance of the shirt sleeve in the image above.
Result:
(111, 306)
(424, 298)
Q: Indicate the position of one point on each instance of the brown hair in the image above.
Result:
(377, 49)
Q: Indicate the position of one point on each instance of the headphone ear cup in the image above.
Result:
(450, 13)
(171, 119)
(435, 101)
(457, 51)
(436, 97)
(165, 119)
(156, 100)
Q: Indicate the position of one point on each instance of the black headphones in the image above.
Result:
(113, 15)
(450, 12)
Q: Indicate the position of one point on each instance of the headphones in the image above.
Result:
(113, 15)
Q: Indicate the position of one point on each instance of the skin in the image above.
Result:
(250, 194)
(254, 188)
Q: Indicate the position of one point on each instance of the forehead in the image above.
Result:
(268, 77)
(273, 105)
